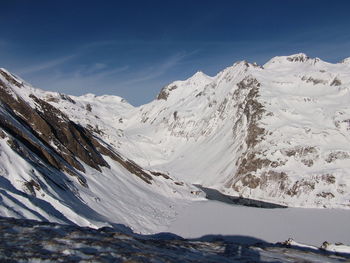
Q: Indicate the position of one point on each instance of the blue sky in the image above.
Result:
(133, 48)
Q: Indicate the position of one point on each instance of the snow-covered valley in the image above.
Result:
(277, 133)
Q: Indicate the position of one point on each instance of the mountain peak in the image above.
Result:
(198, 79)
(199, 75)
(346, 61)
(295, 59)
(243, 65)
(300, 57)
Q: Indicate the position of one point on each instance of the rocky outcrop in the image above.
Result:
(298, 58)
(56, 140)
(251, 113)
(164, 93)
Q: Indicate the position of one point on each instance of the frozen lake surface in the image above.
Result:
(309, 226)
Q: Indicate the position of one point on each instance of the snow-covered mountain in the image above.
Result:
(54, 168)
(278, 133)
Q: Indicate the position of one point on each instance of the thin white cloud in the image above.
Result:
(157, 71)
(93, 45)
(97, 71)
(111, 72)
(51, 64)
(45, 65)
(97, 78)
(99, 66)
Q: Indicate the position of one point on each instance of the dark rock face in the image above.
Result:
(254, 170)
(315, 81)
(52, 136)
(70, 138)
(132, 167)
(336, 82)
(252, 111)
(164, 93)
(298, 58)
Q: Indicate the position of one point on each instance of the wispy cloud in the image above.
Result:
(45, 65)
(97, 71)
(98, 78)
(111, 72)
(154, 72)
(96, 44)
(101, 78)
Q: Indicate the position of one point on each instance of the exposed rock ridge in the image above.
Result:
(53, 137)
